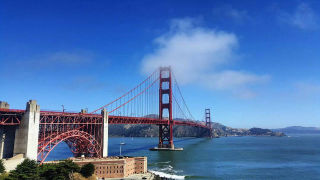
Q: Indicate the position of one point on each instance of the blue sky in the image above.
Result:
(255, 63)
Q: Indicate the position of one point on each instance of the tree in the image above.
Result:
(27, 170)
(30, 170)
(49, 172)
(87, 170)
(59, 171)
(67, 167)
(2, 168)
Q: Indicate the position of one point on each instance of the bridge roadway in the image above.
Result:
(13, 117)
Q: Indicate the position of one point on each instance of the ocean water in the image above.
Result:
(292, 157)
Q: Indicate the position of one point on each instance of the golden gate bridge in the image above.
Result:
(157, 100)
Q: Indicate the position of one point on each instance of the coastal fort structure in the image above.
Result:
(34, 133)
(115, 167)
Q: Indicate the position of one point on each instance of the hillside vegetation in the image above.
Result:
(130, 130)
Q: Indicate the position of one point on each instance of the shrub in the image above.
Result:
(87, 170)
(27, 170)
(2, 168)
(30, 170)
(62, 170)
(66, 167)
(49, 172)
(4, 176)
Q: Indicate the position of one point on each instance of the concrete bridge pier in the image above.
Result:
(4, 105)
(105, 118)
(26, 138)
(84, 111)
(7, 135)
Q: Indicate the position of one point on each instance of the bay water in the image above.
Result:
(291, 157)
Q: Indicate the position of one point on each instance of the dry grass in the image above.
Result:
(4, 175)
(78, 176)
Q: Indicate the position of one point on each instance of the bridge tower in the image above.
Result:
(165, 106)
(208, 120)
(208, 117)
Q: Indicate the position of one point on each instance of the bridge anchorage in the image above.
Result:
(157, 101)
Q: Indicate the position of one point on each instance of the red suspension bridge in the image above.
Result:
(156, 100)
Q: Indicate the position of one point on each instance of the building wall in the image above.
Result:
(110, 170)
(141, 165)
(129, 167)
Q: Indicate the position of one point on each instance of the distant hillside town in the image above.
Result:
(298, 130)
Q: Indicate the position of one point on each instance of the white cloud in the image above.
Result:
(55, 60)
(44, 64)
(197, 55)
(303, 17)
(308, 88)
(227, 11)
(69, 57)
(233, 79)
(84, 83)
(62, 58)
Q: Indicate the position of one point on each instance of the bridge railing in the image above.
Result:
(12, 110)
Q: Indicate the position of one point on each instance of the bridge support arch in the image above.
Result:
(85, 134)
(79, 142)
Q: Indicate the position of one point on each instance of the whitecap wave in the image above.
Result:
(168, 168)
(169, 176)
(165, 162)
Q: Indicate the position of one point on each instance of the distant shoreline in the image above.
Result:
(203, 137)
